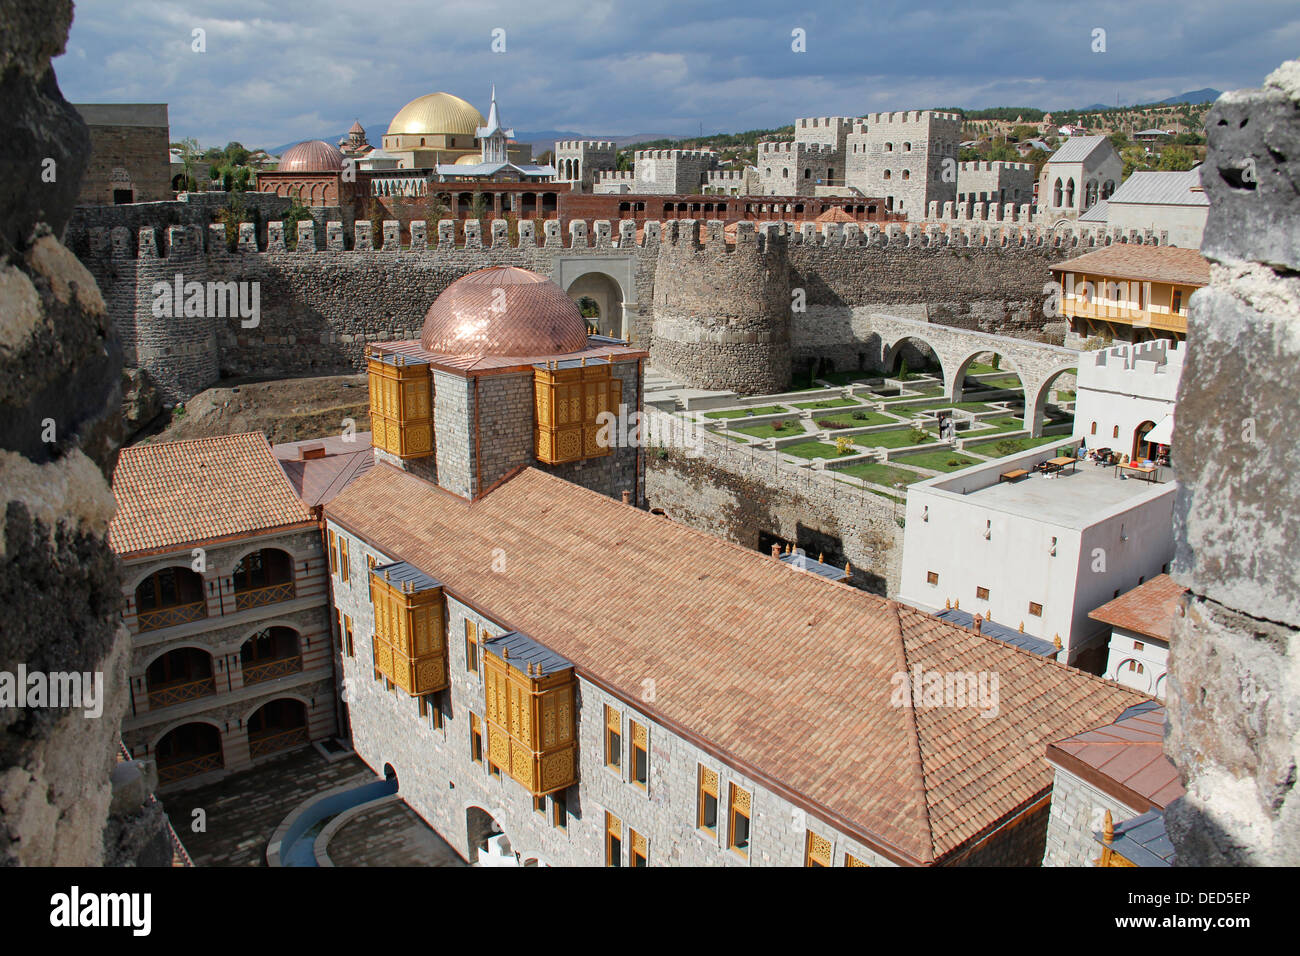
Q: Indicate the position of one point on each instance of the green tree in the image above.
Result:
(295, 214)
(1176, 159)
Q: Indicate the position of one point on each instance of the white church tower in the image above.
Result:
(492, 137)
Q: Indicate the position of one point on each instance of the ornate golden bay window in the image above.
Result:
(410, 643)
(817, 851)
(570, 396)
(401, 404)
(530, 697)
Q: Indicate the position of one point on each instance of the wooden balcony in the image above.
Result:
(263, 744)
(168, 694)
(169, 616)
(270, 670)
(1103, 311)
(260, 597)
(172, 772)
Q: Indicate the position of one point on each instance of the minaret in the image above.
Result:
(492, 137)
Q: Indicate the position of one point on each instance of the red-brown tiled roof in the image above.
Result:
(1125, 260)
(1149, 609)
(787, 676)
(178, 493)
(318, 480)
(1125, 759)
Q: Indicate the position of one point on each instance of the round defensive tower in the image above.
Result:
(722, 314)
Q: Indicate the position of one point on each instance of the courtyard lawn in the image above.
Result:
(829, 403)
(938, 460)
(911, 411)
(880, 474)
(894, 438)
(814, 449)
(1008, 424)
(744, 412)
(793, 426)
(848, 421)
(847, 378)
(1021, 444)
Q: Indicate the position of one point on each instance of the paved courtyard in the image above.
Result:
(243, 810)
(390, 835)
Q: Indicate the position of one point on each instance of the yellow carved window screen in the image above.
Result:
(401, 405)
(738, 825)
(410, 645)
(334, 561)
(708, 809)
(613, 840)
(853, 861)
(613, 738)
(343, 558)
(817, 850)
(638, 848)
(640, 755)
(471, 646)
(568, 403)
(530, 721)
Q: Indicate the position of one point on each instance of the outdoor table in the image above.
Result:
(1148, 471)
(1059, 463)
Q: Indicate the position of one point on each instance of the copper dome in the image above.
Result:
(503, 310)
(312, 156)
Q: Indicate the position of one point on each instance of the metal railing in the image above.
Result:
(170, 773)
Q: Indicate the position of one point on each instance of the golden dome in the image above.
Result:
(469, 159)
(436, 114)
(503, 310)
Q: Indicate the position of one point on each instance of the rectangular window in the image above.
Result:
(817, 850)
(493, 769)
(539, 805)
(640, 756)
(343, 558)
(613, 840)
(738, 824)
(1178, 302)
(471, 646)
(1138, 645)
(370, 562)
(931, 577)
(424, 706)
(982, 593)
(613, 738)
(560, 810)
(435, 711)
(853, 861)
(639, 849)
(1035, 610)
(334, 559)
(347, 635)
(708, 810)
(475, 739)
(338, 619)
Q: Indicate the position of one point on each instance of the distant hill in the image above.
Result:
(1206, 95)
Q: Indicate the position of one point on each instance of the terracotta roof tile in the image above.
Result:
(786, 674)
(1127, 260)
(176, 493)
(1149, 609)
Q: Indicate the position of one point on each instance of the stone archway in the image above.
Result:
(1036, 402)
(486, 842)
(609, 281)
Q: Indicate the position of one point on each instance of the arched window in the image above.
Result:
(889, 147)
(1056, 193)
(1094, 429)
(1107, 188)
(768, 171)
(1114, 432)
(785, 173)
(169, 596)
(1069, 192)
(907, 174)
(888, 174)
(907, 147)
(807, 174)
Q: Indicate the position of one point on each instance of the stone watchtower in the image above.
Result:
(581, 162)
(904, 157)
(722, 314)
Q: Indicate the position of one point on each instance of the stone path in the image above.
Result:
(390, 835)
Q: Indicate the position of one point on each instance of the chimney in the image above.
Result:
(776, 551)
(627, 497)
(979, 624)
(311, 451)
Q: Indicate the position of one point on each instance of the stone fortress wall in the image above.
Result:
(321, 303)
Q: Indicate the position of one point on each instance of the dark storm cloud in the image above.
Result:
(278, 72)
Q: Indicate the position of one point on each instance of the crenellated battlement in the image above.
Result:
(788, 147)
(823, 122)
(993, 166)
(911, 118)
(585, 145)
(641, 154)
(965, 229)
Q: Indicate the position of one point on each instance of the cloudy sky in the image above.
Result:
(277, 71)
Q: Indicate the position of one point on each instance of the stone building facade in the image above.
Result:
(995, 183)
(580, 162)
(671, 171)
(798, 169)
(129, 158)
(903, 157)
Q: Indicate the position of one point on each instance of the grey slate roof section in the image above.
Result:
(1076, 149)
(153, 115)
(401, 573)
(1097, 213)
(802, 562)
(1163, 189)
(1035, 645)
(523, 650)
(572, 363)
(1142, 840)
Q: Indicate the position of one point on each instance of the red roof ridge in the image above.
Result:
(913, 732)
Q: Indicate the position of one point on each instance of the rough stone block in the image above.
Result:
(446, 234)
(419, 235)
(275, 236)
(334, 236)
(500, 233)
(1251, 173)
(148, 243)
(306, 242)
(247, 237)
(1236, 418)
(392, 235)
